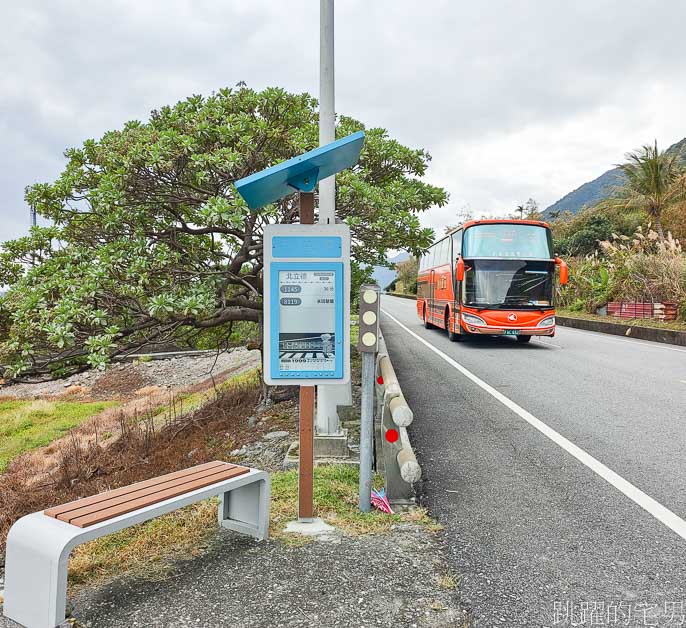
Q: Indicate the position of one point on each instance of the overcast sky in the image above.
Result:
(514, 99)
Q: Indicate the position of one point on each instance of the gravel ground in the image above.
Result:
(124, 378)
(390, 580)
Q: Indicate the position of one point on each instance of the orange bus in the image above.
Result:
(492, 277)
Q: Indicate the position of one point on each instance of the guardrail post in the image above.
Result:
(397, 458)
(366, 431)
(368, 345)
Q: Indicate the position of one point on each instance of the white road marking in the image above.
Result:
(683, 381)
(657, 510)
(613, 338)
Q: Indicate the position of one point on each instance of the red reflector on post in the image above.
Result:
(379, 380)
(392, 435)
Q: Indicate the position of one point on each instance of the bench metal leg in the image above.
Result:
(36, 564)
(246, 509)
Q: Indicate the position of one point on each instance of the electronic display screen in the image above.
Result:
(307, 320)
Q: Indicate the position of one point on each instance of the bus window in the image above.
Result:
(443, 252)
(508, 240)
(457, 244)
(438, 258)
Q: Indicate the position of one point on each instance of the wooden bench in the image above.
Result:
(39, 544)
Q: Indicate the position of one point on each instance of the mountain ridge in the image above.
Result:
(600, 188)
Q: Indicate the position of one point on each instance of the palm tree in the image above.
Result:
(655, 180)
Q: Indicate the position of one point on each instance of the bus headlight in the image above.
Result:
(547, 322)
(470, 319)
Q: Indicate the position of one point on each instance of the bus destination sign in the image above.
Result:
(307, 304)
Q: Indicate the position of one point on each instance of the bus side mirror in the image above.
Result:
(459, 274)
(564, 271)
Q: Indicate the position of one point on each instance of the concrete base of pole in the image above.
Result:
(311, 527)
(333, 446)
(291, 459)
(329, 397)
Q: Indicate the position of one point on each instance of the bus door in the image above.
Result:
(432, 285)
(457, 284)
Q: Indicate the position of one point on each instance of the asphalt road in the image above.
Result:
(539, 538)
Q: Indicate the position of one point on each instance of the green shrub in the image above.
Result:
(638, 268)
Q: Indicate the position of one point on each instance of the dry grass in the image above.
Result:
(198, 396)
(149, 548)
(446, 582)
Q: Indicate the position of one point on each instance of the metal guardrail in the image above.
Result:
(398, 461)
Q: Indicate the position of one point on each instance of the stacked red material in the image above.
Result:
(660, 311)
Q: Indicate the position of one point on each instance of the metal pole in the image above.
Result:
(328, 397)
(306, 428)
(366, 431)
(327, 106)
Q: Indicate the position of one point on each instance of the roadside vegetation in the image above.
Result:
(26, 425)
(192, 428)
(406, 280)
(145, 445)
(627, 248)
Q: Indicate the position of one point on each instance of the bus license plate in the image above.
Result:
(511, 332)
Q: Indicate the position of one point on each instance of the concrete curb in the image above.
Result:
(667, 336)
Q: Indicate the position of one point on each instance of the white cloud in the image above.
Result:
(513, 99)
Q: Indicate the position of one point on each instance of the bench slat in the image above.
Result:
(208, 474)
(98, 508)
(136, 504)
(100, 497)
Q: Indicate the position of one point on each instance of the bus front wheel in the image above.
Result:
(452, 336)
(523, 338)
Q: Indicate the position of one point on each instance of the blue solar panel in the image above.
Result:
(300, 173)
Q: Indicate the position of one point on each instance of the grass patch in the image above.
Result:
(150, 548)
(335, 501)
(632, 322)
(25, 425)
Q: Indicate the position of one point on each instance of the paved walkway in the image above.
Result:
(393, 580)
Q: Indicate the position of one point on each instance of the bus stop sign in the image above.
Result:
(306, 304)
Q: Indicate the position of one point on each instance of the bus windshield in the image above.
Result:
(509, 284)
(507, 240)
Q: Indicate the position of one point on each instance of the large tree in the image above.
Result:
(655, 181)
(150, 238)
